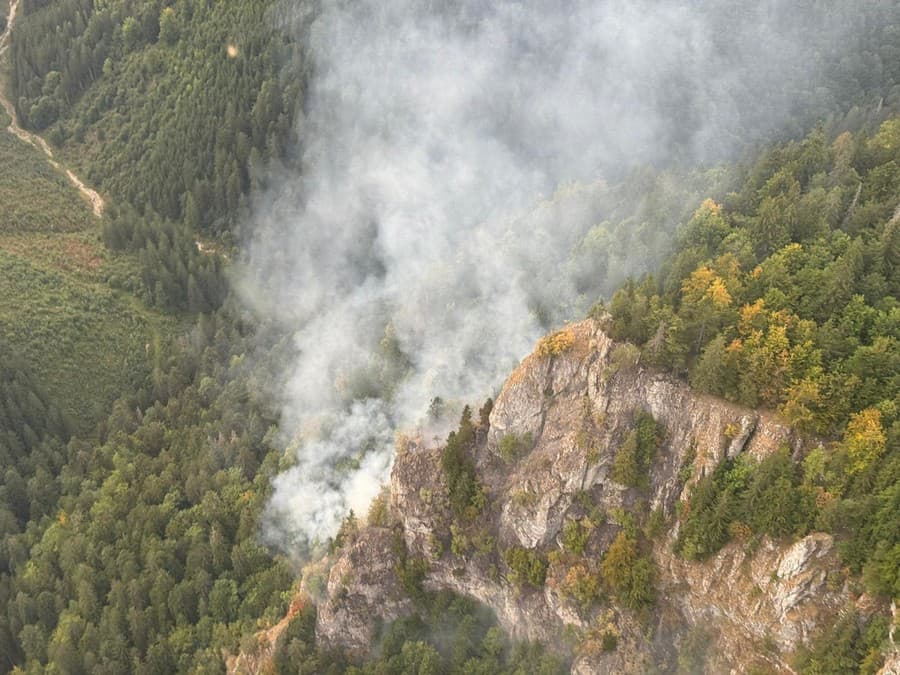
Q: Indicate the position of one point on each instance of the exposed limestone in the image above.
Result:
(772, 596)
(891, 664)
(797, 557)
(892, 658)
(577, 408)
(260, 658)
(362, 586)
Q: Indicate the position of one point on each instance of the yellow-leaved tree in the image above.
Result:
(705, 300)
(864, 439)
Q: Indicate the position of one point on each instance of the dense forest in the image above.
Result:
(136, 444)
(183, 98)
(137, 437)
(136, 551)
(786, 296)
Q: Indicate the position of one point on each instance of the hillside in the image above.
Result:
(571, 549)
(102, 419)
(107, 405)
(715, 488)
(129, 91)
(58, 312)
(701, 475)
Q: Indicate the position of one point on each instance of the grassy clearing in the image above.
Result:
(85, 342)
(34, 196)
(77, 253)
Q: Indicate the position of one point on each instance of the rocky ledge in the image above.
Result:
(547, 460)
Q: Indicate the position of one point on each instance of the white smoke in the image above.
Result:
(428, 242)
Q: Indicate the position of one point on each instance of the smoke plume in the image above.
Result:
(455, 198)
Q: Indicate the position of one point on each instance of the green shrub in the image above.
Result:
(464, 491)
(626, 468)
(346, 533)
(525, 498)
(575, 535)
(693, 650)
(629, 573)
(767, 496)
(631, 465)
(582, 584)
(411, 572)
(380, 509)
(514, 446)
(609, 641)
(459, 541)
(526, 565)
(656, 523)
(624, 357)
(849, 646)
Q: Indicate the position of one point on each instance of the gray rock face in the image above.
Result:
(780, 596)
(362, 586)
(577, 408)
(891, 664)
(563, 399)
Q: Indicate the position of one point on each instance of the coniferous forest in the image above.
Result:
(139, 433)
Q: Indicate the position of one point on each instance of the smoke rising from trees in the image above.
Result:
(456, 161)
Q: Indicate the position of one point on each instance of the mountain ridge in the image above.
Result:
(760, 601)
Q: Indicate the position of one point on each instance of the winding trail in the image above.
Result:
(95, 200)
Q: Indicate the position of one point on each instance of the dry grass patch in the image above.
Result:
(556, 343)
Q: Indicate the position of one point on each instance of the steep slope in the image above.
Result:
(86, 342)
(550, 470)
(160, 105)
(95, 200)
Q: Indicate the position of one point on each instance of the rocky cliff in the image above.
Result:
(546, 465)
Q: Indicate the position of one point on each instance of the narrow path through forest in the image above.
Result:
(95, 200)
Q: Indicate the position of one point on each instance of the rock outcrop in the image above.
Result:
(362, 587)
(571, 411)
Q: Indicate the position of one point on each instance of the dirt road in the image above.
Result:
(95, 200)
